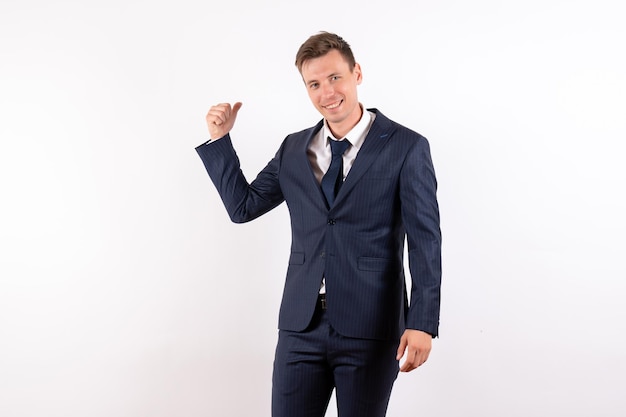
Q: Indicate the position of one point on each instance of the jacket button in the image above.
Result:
(331, 222)
(323, 255)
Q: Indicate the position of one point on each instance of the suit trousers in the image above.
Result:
(310, 364)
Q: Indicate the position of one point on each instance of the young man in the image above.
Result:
(356, 184)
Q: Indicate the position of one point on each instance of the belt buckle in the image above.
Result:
(322, 300)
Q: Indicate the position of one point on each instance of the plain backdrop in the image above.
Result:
(126, 292)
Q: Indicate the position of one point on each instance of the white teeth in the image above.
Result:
(334, 106)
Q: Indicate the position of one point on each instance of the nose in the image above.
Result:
(327, 89)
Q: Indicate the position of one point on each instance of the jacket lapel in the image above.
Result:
(379, 134)
(305, 159)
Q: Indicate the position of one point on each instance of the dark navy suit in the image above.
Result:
(357, 245)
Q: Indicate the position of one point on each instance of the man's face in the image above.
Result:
(332, 89)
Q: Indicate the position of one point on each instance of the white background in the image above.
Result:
(126, 292)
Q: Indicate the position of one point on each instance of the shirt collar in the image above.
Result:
(356, 136)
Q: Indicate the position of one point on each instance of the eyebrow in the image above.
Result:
(333, 74)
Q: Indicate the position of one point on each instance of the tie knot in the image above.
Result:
(338, 147)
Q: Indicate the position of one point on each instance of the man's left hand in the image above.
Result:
(417, 345)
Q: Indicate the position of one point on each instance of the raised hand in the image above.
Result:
(221, 118)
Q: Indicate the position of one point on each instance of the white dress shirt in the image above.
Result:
(320, 154)
(319, 151)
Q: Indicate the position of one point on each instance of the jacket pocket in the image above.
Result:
(296, 258)
(373, 264)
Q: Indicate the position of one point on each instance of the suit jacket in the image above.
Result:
(358, 243)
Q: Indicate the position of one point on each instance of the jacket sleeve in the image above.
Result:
(420, 215)
(243, 201)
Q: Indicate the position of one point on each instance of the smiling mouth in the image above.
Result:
(333, 105)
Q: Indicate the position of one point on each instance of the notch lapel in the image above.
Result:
(304, 161)
(379, 134)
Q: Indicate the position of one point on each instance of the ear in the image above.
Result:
(358, 73)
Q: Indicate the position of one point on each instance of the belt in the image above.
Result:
(321, 301)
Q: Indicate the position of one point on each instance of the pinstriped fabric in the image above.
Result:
(310, 364)
(357, 244)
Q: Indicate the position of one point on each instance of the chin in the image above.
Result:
(334, 114)
(334, 119)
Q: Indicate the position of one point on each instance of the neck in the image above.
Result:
(340, 130)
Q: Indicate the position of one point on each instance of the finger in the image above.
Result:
(232, 115)
(407, 367)
(401, 349)
(226, 111)
(212, 115)
(409, 362)
(218, 114)
(422, 358)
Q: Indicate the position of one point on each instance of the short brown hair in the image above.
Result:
(319, 45)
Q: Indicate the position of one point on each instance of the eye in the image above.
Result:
(313, 86)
